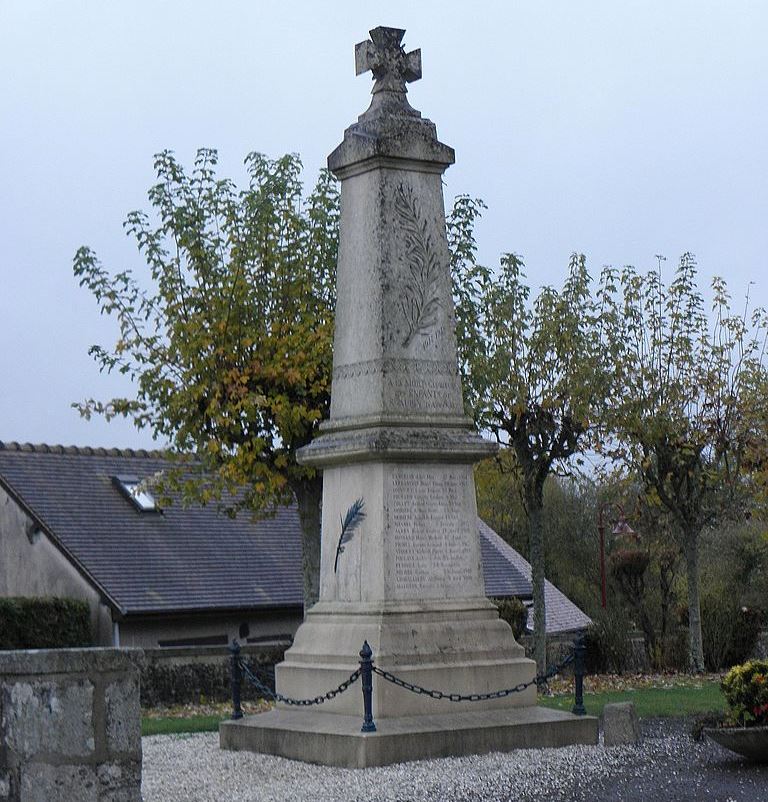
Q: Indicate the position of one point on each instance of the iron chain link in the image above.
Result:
(278, 697)
(540, 679)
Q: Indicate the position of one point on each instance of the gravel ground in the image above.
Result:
(667, 767)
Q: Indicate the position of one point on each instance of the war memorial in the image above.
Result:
(400, 565)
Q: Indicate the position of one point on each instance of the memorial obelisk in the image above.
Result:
(400, 562)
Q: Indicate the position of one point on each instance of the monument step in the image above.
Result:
(336, 740)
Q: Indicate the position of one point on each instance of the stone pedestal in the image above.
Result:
(400, 561)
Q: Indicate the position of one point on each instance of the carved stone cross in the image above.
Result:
(385, 57)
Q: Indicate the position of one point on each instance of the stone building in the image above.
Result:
(75, 522)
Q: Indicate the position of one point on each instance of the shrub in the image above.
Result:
(729, 631)
(746, 691)
(44, 623)
(609, 649)
(515, 613)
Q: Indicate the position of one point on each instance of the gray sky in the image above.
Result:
(620, 129)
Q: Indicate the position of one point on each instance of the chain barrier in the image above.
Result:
(241, 669)
(540, 679)
(278, 697)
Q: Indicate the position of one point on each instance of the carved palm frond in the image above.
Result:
(349, 523)
(420, 293)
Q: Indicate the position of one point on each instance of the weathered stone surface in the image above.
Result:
(119, 782)
(408, 577)
(335, 740)
(5, 786)
(123, 715)
(59, 716)
(67, 661)
(54, 717)
(41, 782)
(620, 724)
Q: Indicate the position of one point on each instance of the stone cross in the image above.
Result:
(385, 57)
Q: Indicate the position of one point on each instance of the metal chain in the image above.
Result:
(540, 679)
(278, 697)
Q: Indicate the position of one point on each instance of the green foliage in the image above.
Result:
(679, 417)
(536, 374)
(680, 379)
(44, 623)
(734, 591)
(499, 500)
(735, 562)
(569, 517)
(609, 649)
(228, 332)
(515, 613)
(533, 372)
(729, 631)
(746, 691)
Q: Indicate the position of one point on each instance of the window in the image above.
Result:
(131, 487)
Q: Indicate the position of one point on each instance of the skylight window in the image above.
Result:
(134, 490)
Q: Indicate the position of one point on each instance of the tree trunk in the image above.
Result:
(534, 503)
(696, 647)
(309, 497)
(666, 582)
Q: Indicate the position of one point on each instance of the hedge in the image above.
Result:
(514, 612)
(44, 623)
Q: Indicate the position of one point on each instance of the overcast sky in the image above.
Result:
(619, 129)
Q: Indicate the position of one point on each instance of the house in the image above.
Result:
(76, 522)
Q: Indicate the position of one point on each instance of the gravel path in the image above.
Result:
(667, 767)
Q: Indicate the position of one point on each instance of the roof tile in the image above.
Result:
(192, 557)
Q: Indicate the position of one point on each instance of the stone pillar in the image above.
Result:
(408, 578)
(70, 726)
(400, 562)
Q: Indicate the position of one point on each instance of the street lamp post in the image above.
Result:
(601, 532)
(621, 528)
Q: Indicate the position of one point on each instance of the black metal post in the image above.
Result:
(237, 679)
(579, 668)
(366, 674)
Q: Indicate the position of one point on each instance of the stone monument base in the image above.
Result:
(458, 645)
(331, 739)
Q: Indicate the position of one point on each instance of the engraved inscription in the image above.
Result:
(421, 392)
(373, 367)
(432, 542)
(410, 384)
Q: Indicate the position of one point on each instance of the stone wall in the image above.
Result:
(70, 726)
(198, 674)
(209, 628)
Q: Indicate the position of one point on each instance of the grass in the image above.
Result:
(650, 702)
(174, 726)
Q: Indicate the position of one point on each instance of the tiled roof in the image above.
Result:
(562, 614)
(187, 558)
(193, 558)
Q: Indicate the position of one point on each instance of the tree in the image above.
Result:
(228, 334)
(678, 416)
(533, 376)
